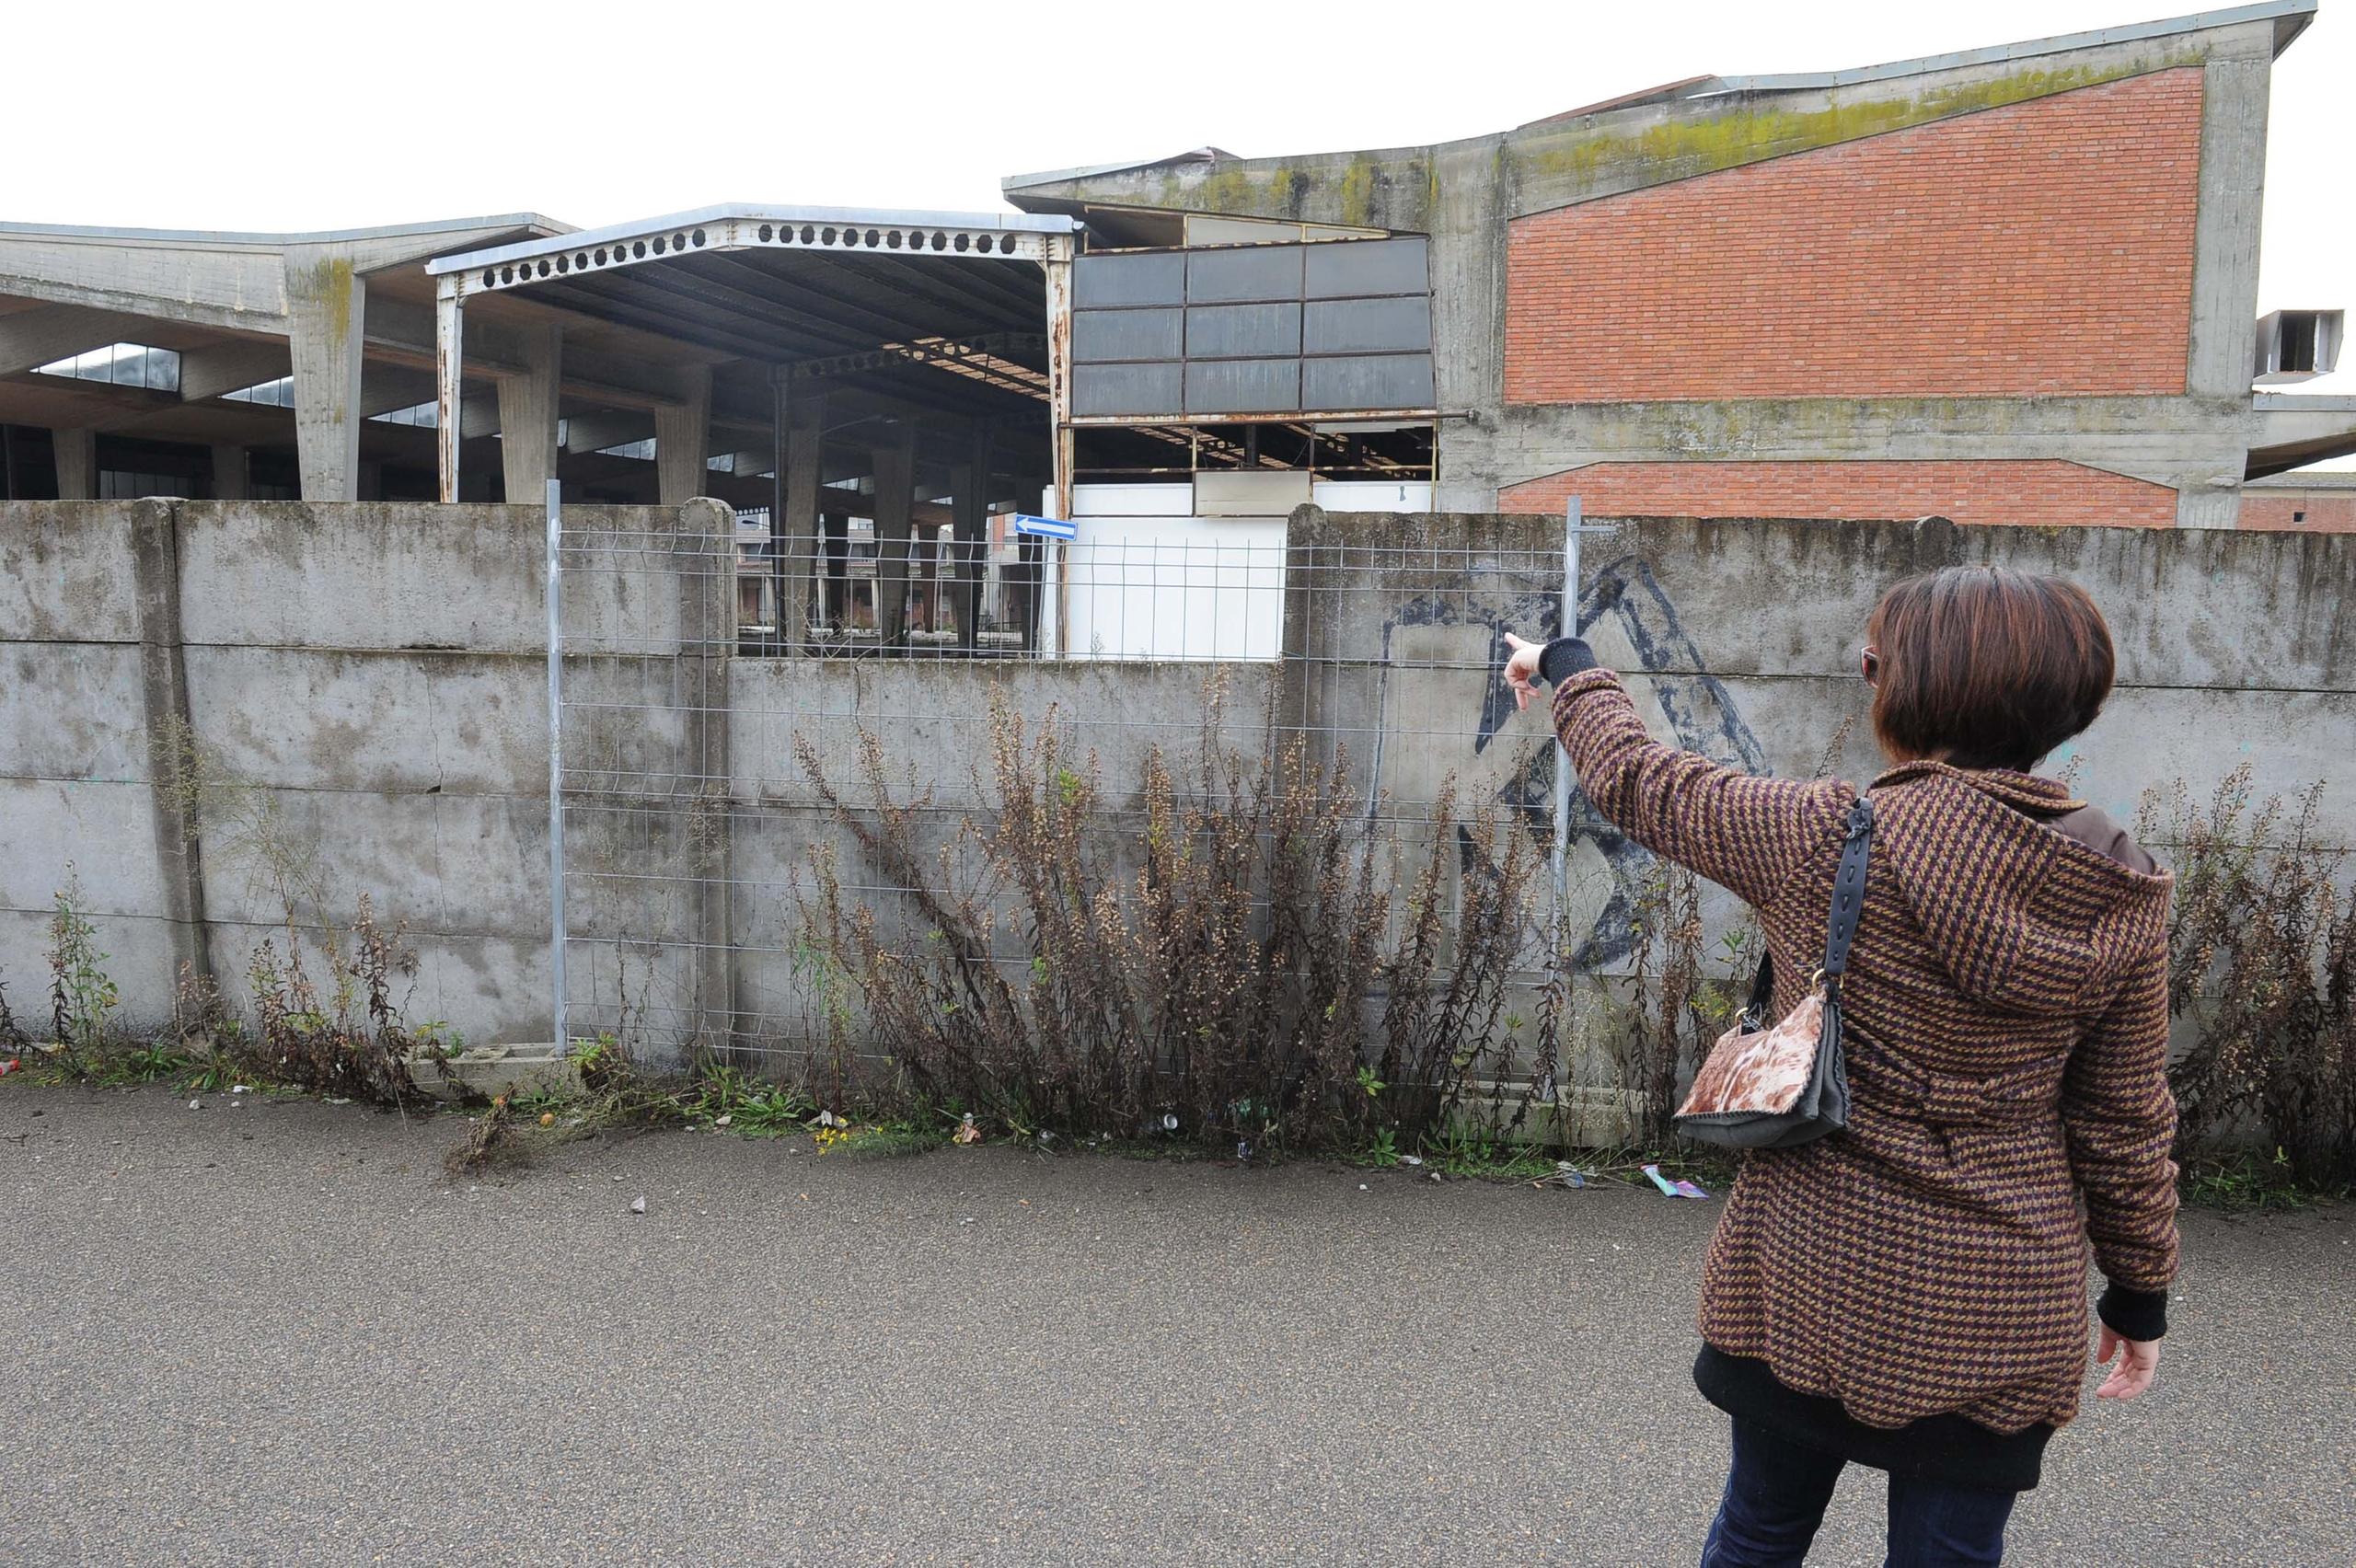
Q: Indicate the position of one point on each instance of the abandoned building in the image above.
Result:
(2017, 284)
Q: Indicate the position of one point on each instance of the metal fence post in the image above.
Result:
(1559, 863)
(556, 763)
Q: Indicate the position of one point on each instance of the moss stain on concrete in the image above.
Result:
(1680, 149)
(330, 284)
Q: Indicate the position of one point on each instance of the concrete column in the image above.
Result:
(969, 509)
(230, 481)
(682, 439)
(2225, 236)
(527, 415)
(1469, 190)
(449, 387)
(155, 531)
(327, 305)
(2235, 87)
(78, 464)
(896, 482)
(801, 458)
(706, 564)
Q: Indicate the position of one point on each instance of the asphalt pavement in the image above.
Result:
(274, 1332)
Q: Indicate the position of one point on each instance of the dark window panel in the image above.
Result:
(1346, 267)
(1153, 279)
(1098, 335)
(1128, 388)
(1247, 273)
(1243, 331)
(1372, 381)
(1368, 326)
(1242, 386)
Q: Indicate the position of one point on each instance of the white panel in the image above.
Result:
(1373, 495)
(1132, 501)
(1252, 494)
(1173, 586)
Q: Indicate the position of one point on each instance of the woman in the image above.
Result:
(1909, 1293)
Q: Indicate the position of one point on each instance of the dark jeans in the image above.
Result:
(1775, 1497)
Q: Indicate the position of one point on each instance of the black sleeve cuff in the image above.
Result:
(1565, 657)
(2132, 1313)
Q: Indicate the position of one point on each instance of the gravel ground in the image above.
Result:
(273, 1332)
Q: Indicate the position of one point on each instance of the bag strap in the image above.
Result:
(1841, 927)
(1848, 894)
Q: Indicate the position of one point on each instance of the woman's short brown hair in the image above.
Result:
(1987, 667)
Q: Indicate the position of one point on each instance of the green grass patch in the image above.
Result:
(2244, 1181)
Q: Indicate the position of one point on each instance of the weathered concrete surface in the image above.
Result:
(932, 721)
(370, 679)
(375, 674)
(2233, 647)
(275, 1333)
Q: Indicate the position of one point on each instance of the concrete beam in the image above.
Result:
(76, 457)
(239, 287)
(477, 416)
(2170, 441)
(235, 280)
(327, 312)
(231, 366)
(528, 416)
(682, 439)
(400, 332)
(2292, 430)
(31, 338)
(384, 387)
(595, 433)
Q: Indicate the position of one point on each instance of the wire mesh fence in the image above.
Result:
(1279, 794)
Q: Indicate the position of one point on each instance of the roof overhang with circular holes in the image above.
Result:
(838, 230)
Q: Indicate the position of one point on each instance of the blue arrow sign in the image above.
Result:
(1044, 527)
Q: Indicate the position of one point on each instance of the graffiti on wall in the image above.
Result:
(1516, 767)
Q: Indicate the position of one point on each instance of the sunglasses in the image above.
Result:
(1870, 661)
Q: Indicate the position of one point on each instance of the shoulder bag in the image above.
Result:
(1775, 1087)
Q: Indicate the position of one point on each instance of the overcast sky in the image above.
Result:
(240, 115)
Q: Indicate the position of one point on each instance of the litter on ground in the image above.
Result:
(1679, 1188)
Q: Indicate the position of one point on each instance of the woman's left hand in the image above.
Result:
(1522, 669)
(2139, 1361)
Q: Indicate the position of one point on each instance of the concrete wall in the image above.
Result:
(371, 678)
(1740, 641)
(376, 673)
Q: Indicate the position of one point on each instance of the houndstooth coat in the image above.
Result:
(2006, 1013)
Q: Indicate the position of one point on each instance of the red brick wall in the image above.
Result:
(2316, 511)
(2038, 491)
(2038, 248)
